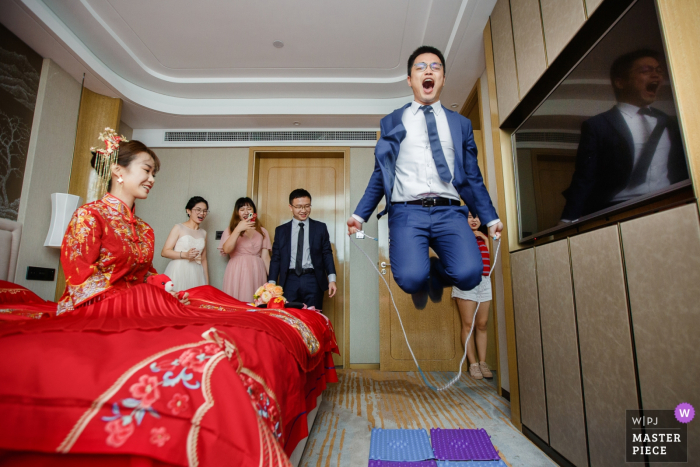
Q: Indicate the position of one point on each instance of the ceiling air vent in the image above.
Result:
(547, 137)
(267, 136)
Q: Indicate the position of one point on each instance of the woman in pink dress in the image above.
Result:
(249, 248)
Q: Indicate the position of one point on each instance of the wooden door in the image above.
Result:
(324, 178)
(434, 332)
(552, 170)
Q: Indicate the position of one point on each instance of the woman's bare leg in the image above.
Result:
(481, 335)
(466, 312)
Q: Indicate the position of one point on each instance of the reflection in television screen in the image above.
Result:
(608, 134)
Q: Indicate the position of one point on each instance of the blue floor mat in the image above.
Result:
(400, 445)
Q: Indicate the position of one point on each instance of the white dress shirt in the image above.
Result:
(306, 258)
(416, 174)
(641, 127)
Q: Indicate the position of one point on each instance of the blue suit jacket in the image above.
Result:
(467, 176)
(605, 158)
(320, 249)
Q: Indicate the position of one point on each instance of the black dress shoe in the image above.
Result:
(420, 299)
(435, 286)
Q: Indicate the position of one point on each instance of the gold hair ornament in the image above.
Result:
(104, 158)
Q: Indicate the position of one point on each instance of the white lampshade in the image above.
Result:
(63, 206)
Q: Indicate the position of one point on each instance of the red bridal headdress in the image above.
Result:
(104, 158)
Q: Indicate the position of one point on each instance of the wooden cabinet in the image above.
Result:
(504, 59)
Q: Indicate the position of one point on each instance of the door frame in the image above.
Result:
(262, 152)
(473, 109)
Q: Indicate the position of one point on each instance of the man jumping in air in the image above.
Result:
(425, 160)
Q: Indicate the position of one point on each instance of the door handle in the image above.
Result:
(384, 264)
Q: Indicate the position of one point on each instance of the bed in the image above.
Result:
(224, 384)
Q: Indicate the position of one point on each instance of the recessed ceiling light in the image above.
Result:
(278, 44)
(297, 123)
(455, 105)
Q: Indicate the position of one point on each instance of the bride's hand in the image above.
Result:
(185, 300)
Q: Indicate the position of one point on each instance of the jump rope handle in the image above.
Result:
(361, 234)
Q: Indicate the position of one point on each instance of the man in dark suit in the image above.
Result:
(302, 257)
(630, 150)
(425, 160)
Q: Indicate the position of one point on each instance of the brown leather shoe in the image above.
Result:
(475, 372)
(485, 370)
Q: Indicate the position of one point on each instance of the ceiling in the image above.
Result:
(212, 64)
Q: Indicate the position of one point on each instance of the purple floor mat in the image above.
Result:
(463, 445)
(400, 445)
(471, 464)
(430, 463)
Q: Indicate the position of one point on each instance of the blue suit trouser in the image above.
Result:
(413, 229)
(303, 289)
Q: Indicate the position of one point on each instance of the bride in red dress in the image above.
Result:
(124, 373)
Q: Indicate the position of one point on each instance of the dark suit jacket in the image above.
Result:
(605, 158)
(467, 176)
(321, 253)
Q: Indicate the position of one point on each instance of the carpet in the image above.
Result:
(366, 399)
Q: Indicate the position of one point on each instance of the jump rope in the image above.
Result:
(360, 234)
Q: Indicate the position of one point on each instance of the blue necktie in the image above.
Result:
(435, 146)
(300, 250)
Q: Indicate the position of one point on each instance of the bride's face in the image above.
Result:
(198, 213)
(137, 179)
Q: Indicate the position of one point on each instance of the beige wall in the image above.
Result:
(364, 282)
(125, 130)
(48, 171)
(220, 175)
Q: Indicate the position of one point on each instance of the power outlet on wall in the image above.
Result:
(40, 274)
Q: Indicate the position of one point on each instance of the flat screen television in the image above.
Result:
(607, 137)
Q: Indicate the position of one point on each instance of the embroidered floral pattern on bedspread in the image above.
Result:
(19, 312)
(309, 338)
(147, 393)
(213, 307)
(161, 401)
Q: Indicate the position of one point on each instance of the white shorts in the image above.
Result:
(480, 293)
